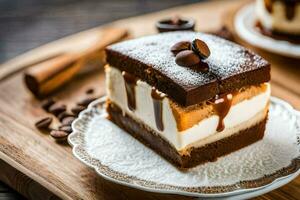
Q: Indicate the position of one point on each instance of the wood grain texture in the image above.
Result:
(24, 184)
(36, 155)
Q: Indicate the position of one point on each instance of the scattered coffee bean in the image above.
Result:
(90, 91)
(66, 128)
(200, 48)
(77, 109)
(86, 102)
(56, 109)
(187, 58)
(63, 115)
(47, 103)
(68, 120)
(59, 135)
(43, 123)
(180, 46)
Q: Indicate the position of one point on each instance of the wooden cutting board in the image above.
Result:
(33, 164)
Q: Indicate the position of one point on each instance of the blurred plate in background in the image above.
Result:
(244, 24)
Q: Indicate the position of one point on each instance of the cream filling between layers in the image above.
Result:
(238, 117)
(277, 19)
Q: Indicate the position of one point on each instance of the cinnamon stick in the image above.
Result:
(45, 77)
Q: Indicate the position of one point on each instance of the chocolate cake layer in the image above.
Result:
(209, 152)
(150, 59)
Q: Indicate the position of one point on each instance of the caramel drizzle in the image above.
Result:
(222, 105)
(290, 8)
(130, 83)
(157, 98)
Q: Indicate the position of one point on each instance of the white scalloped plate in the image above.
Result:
(251, 171)
(244, 24)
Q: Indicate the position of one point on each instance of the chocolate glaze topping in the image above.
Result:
(157, 98)
(290, 7)
(130, 83)
(222, 105)
(150, 59)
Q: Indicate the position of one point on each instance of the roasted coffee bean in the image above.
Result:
(180, 46)
(44, 123)
(86, 102)
(66, 128)
(90, 91)
(77, 109)
(59, 135)
(47, 103)
(200, 48)
(187, 58)
(56, 109)
(68, 120)
(63, 115)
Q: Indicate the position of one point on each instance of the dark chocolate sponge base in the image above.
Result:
(207, 153)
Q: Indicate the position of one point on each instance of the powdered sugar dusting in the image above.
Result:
(226, 59)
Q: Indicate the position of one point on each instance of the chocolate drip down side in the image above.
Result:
(130, 83)
(157, 98)
(222, 105)
(290, 10)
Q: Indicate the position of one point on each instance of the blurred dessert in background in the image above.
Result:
(281, 16)
(279, 19)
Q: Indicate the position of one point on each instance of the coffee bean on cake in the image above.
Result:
(187, 58)
(200, 48)
(180, 46)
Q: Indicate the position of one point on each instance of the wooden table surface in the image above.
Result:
(28, 24)
(34, 165)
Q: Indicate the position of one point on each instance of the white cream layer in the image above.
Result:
(277, 19)
(238, 114)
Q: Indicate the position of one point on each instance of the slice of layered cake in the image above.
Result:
(191, 97)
